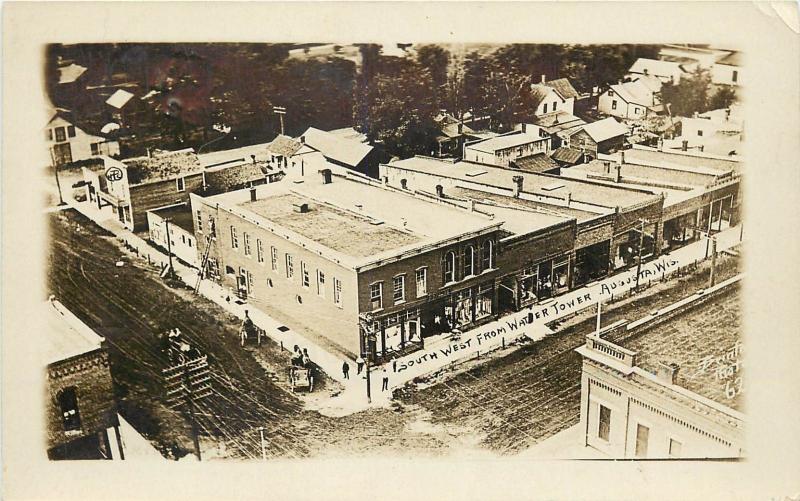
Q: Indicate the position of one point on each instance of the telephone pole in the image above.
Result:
(263, 444)
(58, 182)
(366, 320)
(712, 277)
(169, 248)
(639, 260)
(280, 111)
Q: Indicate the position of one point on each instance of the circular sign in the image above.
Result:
(114, 174)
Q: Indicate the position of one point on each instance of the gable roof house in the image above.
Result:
(551, 96)
(69, 143)
(603, 136)
(340, 150)
(136, 185)
(632, 100)
(727, 71)
(559, 126)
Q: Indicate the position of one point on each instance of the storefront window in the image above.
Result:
(528, 283)
(561, 277)
(483, 301)
(544, 287)
(462, 314)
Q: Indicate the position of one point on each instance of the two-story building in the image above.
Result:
(503, 149)
(550, 96)
(69, 143)
(134, 186)
(365, 266)
(633, 100)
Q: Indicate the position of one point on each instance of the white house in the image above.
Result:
(666, 71)
(69, 143)
(631, 100)
(727, 71)
(553, 96)
(503, 149)
(174, 222)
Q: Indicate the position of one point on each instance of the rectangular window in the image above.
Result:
(180, 184)
(274, 258)
(246, 244)
(49, 133)
(234, 238)
(199, 221)
(259, 250)
(636, 111)
(337, 292)
(642, 434)
(610, 92)
(376, 295)
(289, 266)
(555, 105)
(212, 226)
(321, 283)
(95, 148)
(304, 272)
(699, 132)
(674, 448)
(614, 104)
(399, 289)
(71, 130)
(61, 134)
(604, 430)
(68, 402)
(422, 281)
(734, 76)
(544, 109)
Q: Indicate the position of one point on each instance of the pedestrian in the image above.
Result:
(385, 380)
(346, 370)
(360, 364)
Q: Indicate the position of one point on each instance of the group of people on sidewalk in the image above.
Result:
(360, 367)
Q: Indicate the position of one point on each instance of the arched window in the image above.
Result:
(469, 261)
(68, 404)
(487, 255)
(449, 271)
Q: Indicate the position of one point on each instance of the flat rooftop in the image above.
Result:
(540, 184)
(543, 208)
(179, 215)
(503, 142)
(359, 220)
(705, 342)
(64, 335)
(649, 156)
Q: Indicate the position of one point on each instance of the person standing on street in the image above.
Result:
(385, 380)
(346, 370)
(359, 365)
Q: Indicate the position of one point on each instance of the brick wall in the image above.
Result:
(89, 374)
(151, 196)
(535, 248)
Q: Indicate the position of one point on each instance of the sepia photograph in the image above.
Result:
(326, 250)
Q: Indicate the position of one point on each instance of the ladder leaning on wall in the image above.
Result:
(203, 263)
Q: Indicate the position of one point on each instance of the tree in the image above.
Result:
(689, 96)
(723, 98)
(435, 59)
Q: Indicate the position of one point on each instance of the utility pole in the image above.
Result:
(712, 277)
(597, 329)
(190, 406)
(639, 260)
(58, 182)
(280, 111)
(366, 320)
(169, 248)
(263, 444)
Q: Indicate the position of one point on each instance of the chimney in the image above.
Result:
(568, 198)
(646, 71)
(439, 191)
(300, 207)
(149, 153)
(622, 157)
(685, 145)
(544, 78)
(253, 194)
(518, 180)
(326, 176)
(472, 205)
(460, 128)
(667, 373)
(385, 180)
(254, 159)
(695, 114)
(524, 128)
(702, 147)
(660, 144)
(727, 114)
(618, 173)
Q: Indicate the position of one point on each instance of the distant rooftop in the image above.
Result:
(162, 165)
(732, 59)
(595, 194)
(119, 99)
(336, 147)
(605, 129)
(283, 146)
(65, 335)
(538, 162)
(651, 156)
(68, 74)
(505, 141)
(555, 123)
(244, 153)
(656, 67)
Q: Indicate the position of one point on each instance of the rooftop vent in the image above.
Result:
(668, 373)
(300, 207)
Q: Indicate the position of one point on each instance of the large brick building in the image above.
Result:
(323, 249)
(82, 421)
